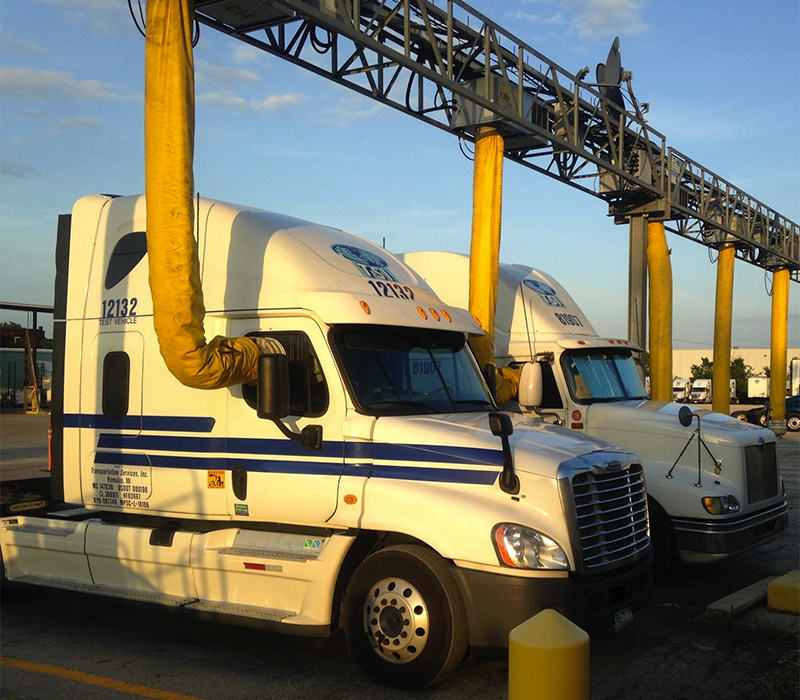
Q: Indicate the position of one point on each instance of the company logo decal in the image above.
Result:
(367, 263)
(546, 293)
(27, 505)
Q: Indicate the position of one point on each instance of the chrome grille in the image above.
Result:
(611, 511)
(762, 472)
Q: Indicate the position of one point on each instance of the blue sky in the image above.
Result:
(722, 80)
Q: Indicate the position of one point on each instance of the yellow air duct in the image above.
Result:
(660, 311)
(777, 364)
(721, 400)
(484, 257)
(178, 309)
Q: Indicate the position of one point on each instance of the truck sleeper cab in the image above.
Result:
(392, 525)
(592, 385)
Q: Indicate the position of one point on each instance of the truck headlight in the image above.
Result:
(523, 548)
(720, 505)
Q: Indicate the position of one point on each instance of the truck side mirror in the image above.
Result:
(500, 424)
(530, 385)
(273, 387)
(685, 416)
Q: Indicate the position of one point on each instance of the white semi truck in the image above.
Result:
(701, 391)
(703, 512)
(680, 389)
(366, 481)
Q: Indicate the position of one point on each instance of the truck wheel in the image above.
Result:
(740, 415)
(762, 420)
(404, 618)
(665, 553)
(793, 422)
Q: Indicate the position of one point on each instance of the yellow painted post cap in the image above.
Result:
(548, 659)
(783, 594)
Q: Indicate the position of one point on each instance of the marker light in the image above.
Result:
(434, 314)
(523, 548)
(576, 415)
(366, 308)
(720, 505)
(422, 313)
(581, 342)
(446, 316)
(350, 499)
(477, 320)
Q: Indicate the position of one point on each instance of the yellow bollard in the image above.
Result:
(721, 395)
(548, 659)
(777, 365)
(660, 311)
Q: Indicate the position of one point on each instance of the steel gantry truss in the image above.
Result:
(452, 67)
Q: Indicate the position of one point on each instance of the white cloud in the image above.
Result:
(79, 122)
(557, 18)
(13, 46)
(30, 83)
(207, 73)
(349, 110)
(244, 53)
(18, 169)
(105, 16)
(597, 18)
(236, 103)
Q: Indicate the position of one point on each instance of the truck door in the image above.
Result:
(111, 407)
(273, 478)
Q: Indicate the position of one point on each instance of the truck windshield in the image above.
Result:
(403, 371)
(602, 376)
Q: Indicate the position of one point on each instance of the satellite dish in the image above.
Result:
(685, 416)
(609, 77)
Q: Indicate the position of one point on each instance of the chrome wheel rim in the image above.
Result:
(396, 620)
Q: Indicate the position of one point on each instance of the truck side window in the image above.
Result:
(116, 384)
(130, 249)
(308, 391)
(551, 397)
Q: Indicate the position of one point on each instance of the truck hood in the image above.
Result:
(661, 418)
(464, 441)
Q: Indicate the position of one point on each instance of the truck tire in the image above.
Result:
(404, 618)
(741, 415)
(665, 553)
(793, 422)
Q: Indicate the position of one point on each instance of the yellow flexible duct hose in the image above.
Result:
(721, 400)
(178, 309)
(660, 311)
(777, 364)
(484, 257)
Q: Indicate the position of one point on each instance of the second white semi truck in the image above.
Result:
(728, 503)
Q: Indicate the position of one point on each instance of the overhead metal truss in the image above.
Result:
(452, 67)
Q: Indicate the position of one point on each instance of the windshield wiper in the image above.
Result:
(473, 402)
(389, 404)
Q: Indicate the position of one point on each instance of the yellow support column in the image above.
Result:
(484, 256)
(660, 311)
(548, 659)
(721, 401)
(777, 364)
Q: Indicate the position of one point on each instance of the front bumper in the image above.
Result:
(700, 541)
(496, 603)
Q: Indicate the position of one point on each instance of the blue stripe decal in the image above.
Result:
(280, 447)
(175, 424)
(442, 475)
